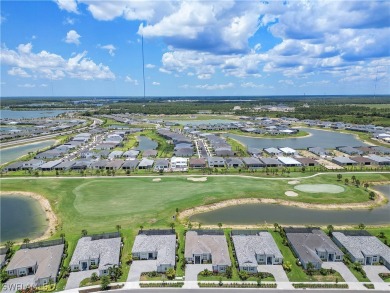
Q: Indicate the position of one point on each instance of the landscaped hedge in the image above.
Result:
(236, 285)
(161, 285)
(321, 286)
(369, 286)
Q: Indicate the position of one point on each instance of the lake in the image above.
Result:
(12, 153)
(21, 217)
(10, 114)
(322, 138)
(252, 214)
(145, 143)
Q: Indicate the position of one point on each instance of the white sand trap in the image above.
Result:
(197, 179)
(156, 179)
(319, 188)
(294, 182)
(291, 193)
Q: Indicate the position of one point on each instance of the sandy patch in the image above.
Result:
(291, 193)
(156, 180)
(318, 188)
(197, 179)
(50, 215)
(294, 182)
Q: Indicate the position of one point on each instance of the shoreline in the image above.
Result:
(266, 137)
(51, 217)
(186, 214)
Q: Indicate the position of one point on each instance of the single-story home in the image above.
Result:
(272, 151)
(197, 163)
(344, 161)
(254, 151)
(131, 154)
(379, 160)
(14, 166)
(363, 161)
(224, 152)
(145, 164)
(288, 151)
(319, 151)
(114, 164)
(41, 261)
(159, 245)
(350, 150)
(149, 153)
(215, 162)
(161, 165)
(312, 245)
(234, 162)
(115, 154)
(50, 165)
(130, 164)
(32, 164)
(207, 246)
(289, 162)
(184, 152)
(65, 165)
(255, 248)
(362, 247)
(252, 163)
(100, 164)
(307, 161)
(97, 251)
(271, 162)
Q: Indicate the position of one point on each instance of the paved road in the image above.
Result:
(348, 277)
(279, 274)
(192, 272)
(373, 274)
(76, 277)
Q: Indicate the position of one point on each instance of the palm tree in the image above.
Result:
(26, 241)
(118, 227)
(353, 178)
(84, 232)
(357, 182)
(361, 226)
(62, 235)
(199, 225)
(220, 225)
(339, 176)
(366, 185)
(276, 225)
(330, 229)
(346, 181)
(372, 195)
(141, 228)
(172, 225)
(9, 245)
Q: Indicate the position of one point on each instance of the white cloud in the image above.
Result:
(43, 85)
(110, 48)
(150, 66)
(155, 83)
(52, 66)
(130, 80)
(17, 71)
(286, 81)
(214, 86)
(252, 85)
(204, 76)
(69, 21)
(27, 85)
(68, 5)
(72, 37)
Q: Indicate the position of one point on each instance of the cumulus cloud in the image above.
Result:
(130, 80)
(156, 83)
(27, 85)
(150, 66)
(68, 5)
(110, 48)
(17, 71)
(52, 66)
(209, 86)
(252, 85)
(72, 37)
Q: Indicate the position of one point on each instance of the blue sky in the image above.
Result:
(225, 47)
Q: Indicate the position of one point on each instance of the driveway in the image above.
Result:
(140, 266)
(279, 274)
(13, 285)
(76, 277)
(347, 275)
(192, 272)
(373, 274)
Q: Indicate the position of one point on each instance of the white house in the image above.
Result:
(179, 163)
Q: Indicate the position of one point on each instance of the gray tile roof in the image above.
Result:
(107, 250)
(216, 245)
(247, 246)
(48, 260)
(359, 246)
(165, 245)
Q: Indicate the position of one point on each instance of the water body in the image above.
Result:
(21, 217)
(12, 153)
(252, 214)
(207, 122)
(10, 114)
(145, 143)
(322, 138)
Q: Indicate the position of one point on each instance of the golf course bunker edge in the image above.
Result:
(319, 188)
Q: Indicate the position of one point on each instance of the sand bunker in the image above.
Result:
(197, 179)
(291, 193)
(319, 188)
(294, 182)
(156, 179)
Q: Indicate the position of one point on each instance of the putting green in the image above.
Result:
(319, 188)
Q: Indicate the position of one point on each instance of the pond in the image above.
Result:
(253, 214)
(10, 114)
(21, 217)
(12, 153)
(322, 138)
(145, 143)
